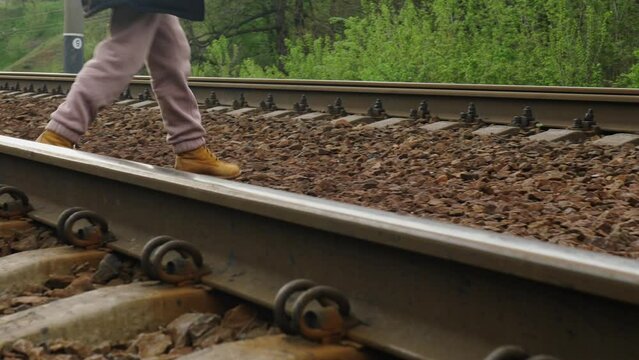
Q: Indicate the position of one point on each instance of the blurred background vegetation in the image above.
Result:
(536, 42)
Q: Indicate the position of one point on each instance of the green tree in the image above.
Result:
(261, 28)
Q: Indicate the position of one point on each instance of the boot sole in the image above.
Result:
(228, 177)
(215, 176)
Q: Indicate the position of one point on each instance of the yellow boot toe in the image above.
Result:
(51, 138)
(203, 161)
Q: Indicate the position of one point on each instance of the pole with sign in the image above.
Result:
(73, 36)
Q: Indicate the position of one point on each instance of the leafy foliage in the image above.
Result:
(221, 59)
(537, 42)
(461, 41)
(631, 78)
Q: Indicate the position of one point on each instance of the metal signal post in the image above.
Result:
(73, 36)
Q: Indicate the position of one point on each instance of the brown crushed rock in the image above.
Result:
(184, 335)
(18, 235)
(83, 278)
(578, 195)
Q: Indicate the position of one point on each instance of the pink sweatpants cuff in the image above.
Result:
(63, 131)
(188, 145)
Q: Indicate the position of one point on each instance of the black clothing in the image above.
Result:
(186, 9)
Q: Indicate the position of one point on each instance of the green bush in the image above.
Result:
(462, 41)
(631, 78)
(536, 42)
(221, 60)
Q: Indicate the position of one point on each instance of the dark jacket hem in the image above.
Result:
(189, 9)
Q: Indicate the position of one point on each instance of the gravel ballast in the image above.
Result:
(578, 195)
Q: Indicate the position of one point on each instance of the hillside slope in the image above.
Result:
(32, 35)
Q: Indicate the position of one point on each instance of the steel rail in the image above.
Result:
(616, 110)
(422, 289)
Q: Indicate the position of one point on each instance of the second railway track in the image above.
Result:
(616, 110)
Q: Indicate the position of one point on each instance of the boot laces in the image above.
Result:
(211, 154)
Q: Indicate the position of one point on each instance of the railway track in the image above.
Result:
(615, 110)
(417, 289)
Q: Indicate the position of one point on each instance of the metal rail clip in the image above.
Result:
(189, 267)
(17, 206)
(327, 324)
(94, 235)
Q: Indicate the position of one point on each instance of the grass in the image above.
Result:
(32, 35)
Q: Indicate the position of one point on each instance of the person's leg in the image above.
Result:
(169, 63)
(115, 61)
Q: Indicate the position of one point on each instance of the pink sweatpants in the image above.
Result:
(136, 38)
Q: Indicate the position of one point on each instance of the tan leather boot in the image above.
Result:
(203, 161)
(51, 138)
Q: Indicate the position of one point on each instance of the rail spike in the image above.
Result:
(302, 106)
(126, 94)
(377, 110)
(588, 123)
(240, 103)
(268, 104)
(525, 120)
(471, 116)
(337, 108)
(145, 95)
(212, 100)
(421, 113)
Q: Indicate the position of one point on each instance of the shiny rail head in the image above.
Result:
(9, 75)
